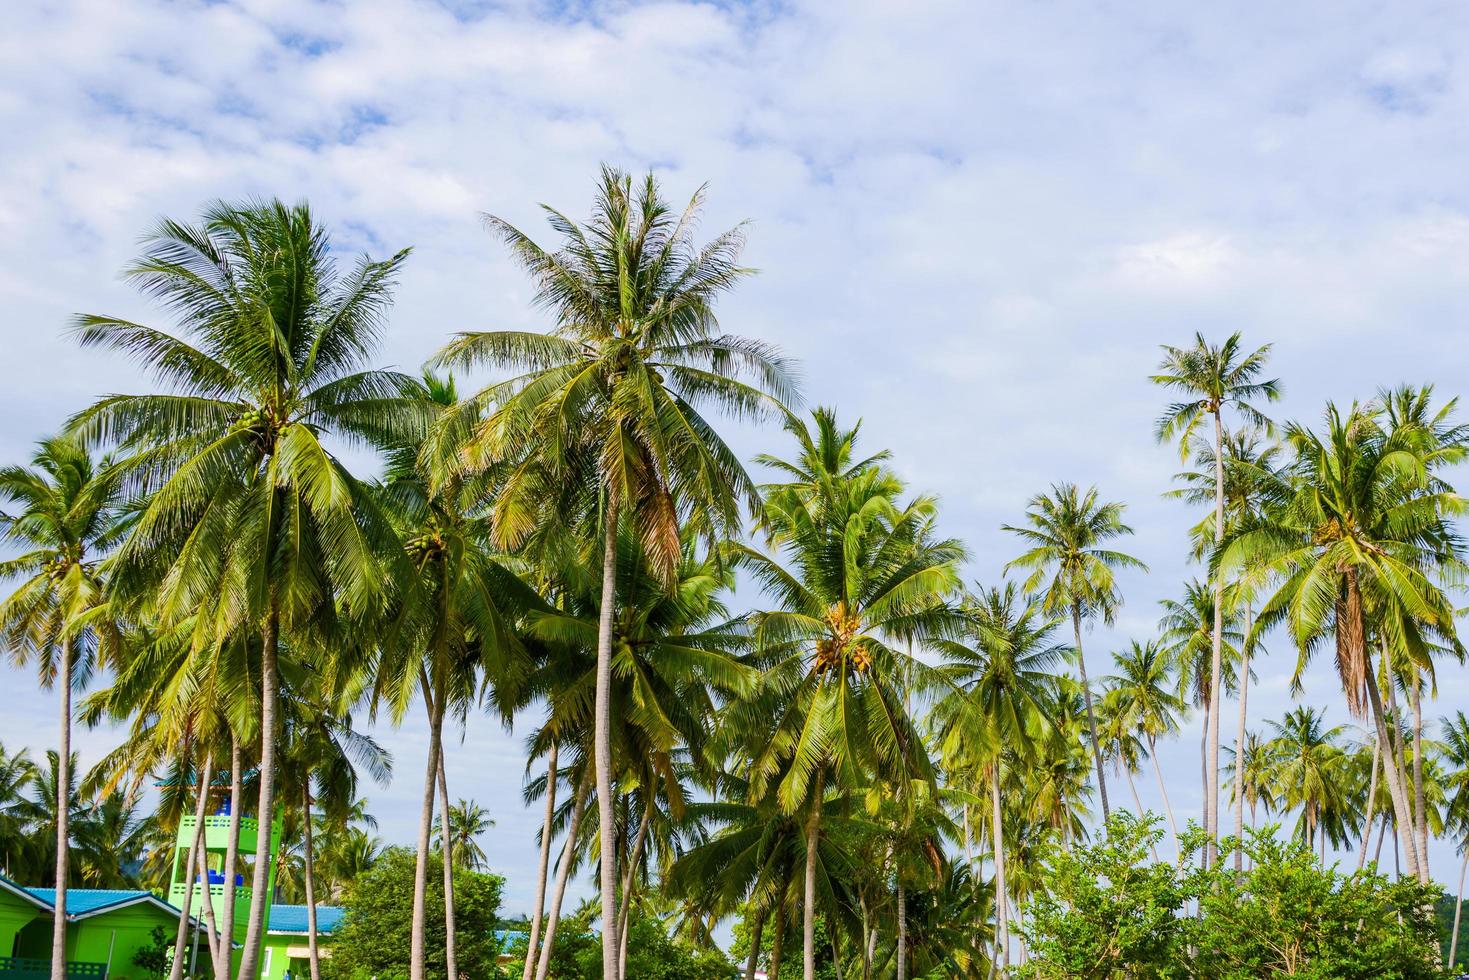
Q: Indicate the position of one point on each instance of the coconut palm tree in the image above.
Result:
(65, 516)
(1065, 536)
(1251, 480)
(851, 572)
(468, 821)
(451, 636)
(1454, 746)
(1141, 687)
(1213, 378)
(252, 517)
(999, 678)
(610, 405)
(1309, 767)
(17, 813)
(1357, 545)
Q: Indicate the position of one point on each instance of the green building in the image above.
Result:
(106, 928)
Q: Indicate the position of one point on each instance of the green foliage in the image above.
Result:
(1109, 912)
(153, 958)
(651, 953)
(374, 939)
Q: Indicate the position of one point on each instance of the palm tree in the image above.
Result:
(1213, 378)
(1251, 479)
(17, 813)
(452, 635)
(1141, 686)
(607, 405)
(253, 518)
(851, 571)
(1356, 544)
(468, 821)
(1000, 699)
(1454, 744)
(69, 517)
(1309, 767)
(1187, 635)
(1065, 537)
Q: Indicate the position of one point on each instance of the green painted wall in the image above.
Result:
(15, 913)
(280, 954)
(108, 937)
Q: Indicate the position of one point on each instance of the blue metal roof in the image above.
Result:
(292, 918)
(81, 901)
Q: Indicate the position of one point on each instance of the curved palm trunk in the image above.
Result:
(602, 745)
(417, 940)
(563, 872)
(808, 911)
(1402, 811)
(1091, 717)
(265, 810)
(1163, 791)
(1420, 807)
(627, 883)
(1216, 660)
(313, 952)
(1371, 803)
(211, 927)
(542, 871)
(63, 817)
(836, 950)
(756, 934)
(1239, 744)
(223, 963)
(191, 870)
(1002, 904)
(451, 956)
(1458, 907)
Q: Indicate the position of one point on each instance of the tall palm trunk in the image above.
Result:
(756, 934)
(1420, 808)
(211, 927)
(602, 744)
(446, 843)
(181, 937)
(1458, 907)
(1402, 811)
(544, 868)
(997, 843)
(265, 810)
(1163, 790)
(1239, 742)
(1371, 803)
(778, 944)
(313, 952)
(1091, 716)
(563, 872)
(223, 963)
(902, 951)
(63, 816)
(1216, 658)
(417, 941)
(627, 882)
(808, 910)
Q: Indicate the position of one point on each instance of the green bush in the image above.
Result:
(374, 939)
(1107, 911)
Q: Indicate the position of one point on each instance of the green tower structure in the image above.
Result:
(224, 884)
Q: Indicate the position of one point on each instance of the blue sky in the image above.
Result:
(975, 222)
